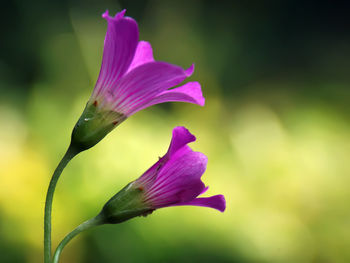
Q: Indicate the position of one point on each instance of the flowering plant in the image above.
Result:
(131, 80)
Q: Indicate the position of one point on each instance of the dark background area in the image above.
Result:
(306, 42)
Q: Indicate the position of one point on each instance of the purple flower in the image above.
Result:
(175, 180)
(129, 81)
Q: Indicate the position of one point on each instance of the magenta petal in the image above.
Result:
(175, 195)
(217, 202)
(184, 167)
(183, 163)
(179, 180)
(143, 54)
(119, 49)
(204, 190)
(190, 92)
(148, 177)
(143, 83)
(181, 137)
(190, 71)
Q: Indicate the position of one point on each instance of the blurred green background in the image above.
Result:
(275, 128)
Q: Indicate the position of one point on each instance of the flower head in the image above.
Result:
(129, 81)
(175, 180)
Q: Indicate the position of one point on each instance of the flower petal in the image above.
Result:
(147, 179)
(181, 137)
(204, 190)
(119, 48)
(190, 92)
(217, 202)
(190, 70)
(184, 165)
(179, 180)
(143, 54)
(143, 83)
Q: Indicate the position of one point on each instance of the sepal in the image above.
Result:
(93, 125)
(126, 204)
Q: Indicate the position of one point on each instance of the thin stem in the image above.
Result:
(71, 152)
(84, 226)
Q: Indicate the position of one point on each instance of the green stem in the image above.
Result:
(71, 152)
(84, 226)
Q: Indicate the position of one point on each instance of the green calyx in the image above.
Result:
(126, 204)
(93, 125)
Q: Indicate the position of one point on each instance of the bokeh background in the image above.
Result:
(275, 128)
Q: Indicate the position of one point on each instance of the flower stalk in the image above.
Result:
(71, 152)
(82, 227)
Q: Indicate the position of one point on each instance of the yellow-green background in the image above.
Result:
(275, 128)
